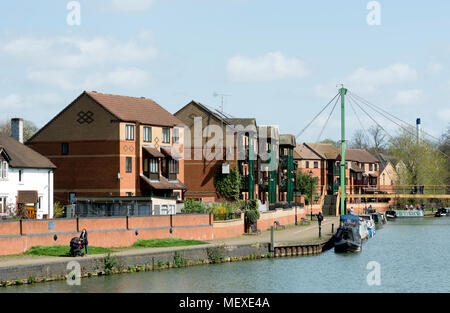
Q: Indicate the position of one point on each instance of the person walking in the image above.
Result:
(84, 240)
(319, 221)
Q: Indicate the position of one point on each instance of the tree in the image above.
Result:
(421, 162)
(331, 142)
(29, 129)
(359, 141)
(305, 184)
(378, 137)
(228, 185)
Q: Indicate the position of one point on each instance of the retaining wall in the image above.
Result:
(18, 236)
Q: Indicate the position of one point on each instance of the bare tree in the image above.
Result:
(378, 137)
(358, 141)
(29, 129)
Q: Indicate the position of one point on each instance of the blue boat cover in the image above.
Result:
(349, 220)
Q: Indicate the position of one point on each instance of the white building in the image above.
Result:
(26, 177)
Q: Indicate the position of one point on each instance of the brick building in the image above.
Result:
(111, 145)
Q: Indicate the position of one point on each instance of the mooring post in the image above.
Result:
(271, 239)
(332, 228)
(20, 222)
(78, 225)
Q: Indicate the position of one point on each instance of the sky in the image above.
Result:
(277, 61)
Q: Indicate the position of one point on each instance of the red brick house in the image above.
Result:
(111, 145)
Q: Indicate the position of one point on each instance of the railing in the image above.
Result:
(399, 189)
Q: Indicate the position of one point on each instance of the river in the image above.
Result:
(412, 255)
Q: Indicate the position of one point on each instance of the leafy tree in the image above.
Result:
(228, 185)
(332, 142)
(304, 184)
(420, 163)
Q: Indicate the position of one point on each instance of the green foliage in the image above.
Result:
(305, 184)
(228, 185)
(165, 242)
(418, 162)
(179, 259)
(225, 210)
(110, 264)
(61, 250)
(29, 129)
(193, 206)
(216, 254)
(250, 208)
(58, 210)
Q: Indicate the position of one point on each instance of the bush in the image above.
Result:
(193, 206)
(58, 210)
(228, 185)
(250, 208)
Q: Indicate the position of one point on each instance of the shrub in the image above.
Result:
(193, 206)
(228, 185)
(250, 208)
(58, 210)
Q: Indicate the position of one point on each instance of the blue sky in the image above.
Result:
(279, 61)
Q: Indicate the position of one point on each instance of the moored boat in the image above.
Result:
(378, 220)
(441, 212)
(347, 237)
(370, 224)
(390, 214)
(409, 213)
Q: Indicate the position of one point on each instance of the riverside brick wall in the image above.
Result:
(18, 236)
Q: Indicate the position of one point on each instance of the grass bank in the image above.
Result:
(152, 243)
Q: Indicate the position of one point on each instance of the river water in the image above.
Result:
(412, 254)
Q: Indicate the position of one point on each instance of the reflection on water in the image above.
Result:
(412, 253)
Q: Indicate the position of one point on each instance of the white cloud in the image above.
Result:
(368, 81)
(272, 66)
(129, 78)
(14, 102)
(412, 96)
(132, 5)
(76, 52)
(434, 68)
(70, 62)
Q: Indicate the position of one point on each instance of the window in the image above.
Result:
(173, 167)
(164, 209)
(129, 194)
(154, 166)
(176, 135)
(147, 134)
(2, 205)
(20, 176)
(129, 132)
(307, 164)
(40, 199)
(64, 148)
(166, 135)
(4, 170)
(316, 164)
(370, 167)
(375, 166)
(128, 165)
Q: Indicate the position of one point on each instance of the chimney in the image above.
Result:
(418, 129)
(17, 129)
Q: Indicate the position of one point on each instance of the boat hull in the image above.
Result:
(347, 246)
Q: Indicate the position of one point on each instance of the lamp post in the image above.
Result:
(310, 199)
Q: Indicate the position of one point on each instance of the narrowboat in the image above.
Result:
(348, 237)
